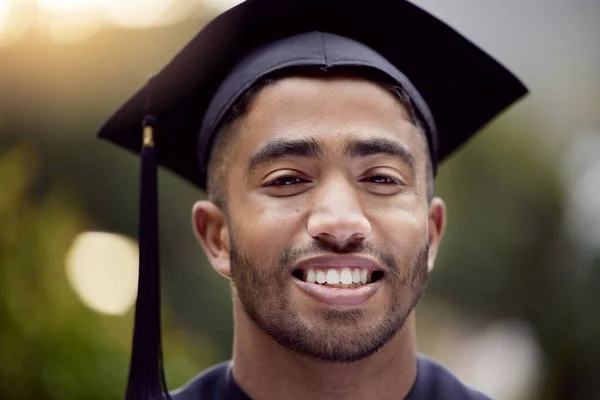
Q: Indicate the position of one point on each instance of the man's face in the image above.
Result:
(327, 181)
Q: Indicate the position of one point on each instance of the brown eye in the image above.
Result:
(287, 180)
(383, 180)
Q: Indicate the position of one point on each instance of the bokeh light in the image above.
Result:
(70, 20)
(136, 13)
(221, 5)
(102, 269)
(12, 23)
(581, 175)
(503, 360)
(5, 14)
(68, 6)
(66, 28)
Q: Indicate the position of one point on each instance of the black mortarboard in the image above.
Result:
(456, 87)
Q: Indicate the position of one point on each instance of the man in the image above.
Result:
(319, 139)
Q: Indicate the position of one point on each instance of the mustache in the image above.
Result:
(319, 248)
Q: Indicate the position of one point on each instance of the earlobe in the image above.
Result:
(437, 227)
(212, 231)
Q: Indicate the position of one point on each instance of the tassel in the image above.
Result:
(146, 374)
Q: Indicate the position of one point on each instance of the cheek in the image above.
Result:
(265, 226)
(401, 230)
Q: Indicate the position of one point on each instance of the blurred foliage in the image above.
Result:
(506, 255)
(52, 346)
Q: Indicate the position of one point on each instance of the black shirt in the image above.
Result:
(434, 382)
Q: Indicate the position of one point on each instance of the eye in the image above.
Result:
(286, 180)
(382, 180)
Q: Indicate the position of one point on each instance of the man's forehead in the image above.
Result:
(291, 89)
(335, 105)
(329, 114)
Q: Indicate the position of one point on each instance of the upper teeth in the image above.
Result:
(334, 276)
(321, 277)
(346, 276)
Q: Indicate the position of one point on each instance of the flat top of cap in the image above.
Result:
(462, 85)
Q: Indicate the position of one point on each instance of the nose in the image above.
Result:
(337, 216)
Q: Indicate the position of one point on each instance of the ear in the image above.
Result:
(437, 226)
(212, 231)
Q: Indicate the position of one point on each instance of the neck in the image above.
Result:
(266, 370)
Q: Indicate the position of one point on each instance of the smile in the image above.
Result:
(344, 277)
(338, 281)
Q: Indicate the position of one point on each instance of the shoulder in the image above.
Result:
(434, 381)
(209, 384)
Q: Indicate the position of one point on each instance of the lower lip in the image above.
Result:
(337, 296)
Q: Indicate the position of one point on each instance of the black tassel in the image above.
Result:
(146, 374)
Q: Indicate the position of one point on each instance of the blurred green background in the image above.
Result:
(511, 306)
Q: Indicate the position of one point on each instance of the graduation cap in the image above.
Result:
(456, 87)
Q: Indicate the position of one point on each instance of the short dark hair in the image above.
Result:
(230, 125)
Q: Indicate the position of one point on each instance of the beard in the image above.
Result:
(339, 336)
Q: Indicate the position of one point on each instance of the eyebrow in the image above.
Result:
(277, 149)
(310, 148)
(364, 148)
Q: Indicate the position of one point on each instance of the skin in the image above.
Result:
(286, 343)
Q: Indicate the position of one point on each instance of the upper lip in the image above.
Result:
(338, 261)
